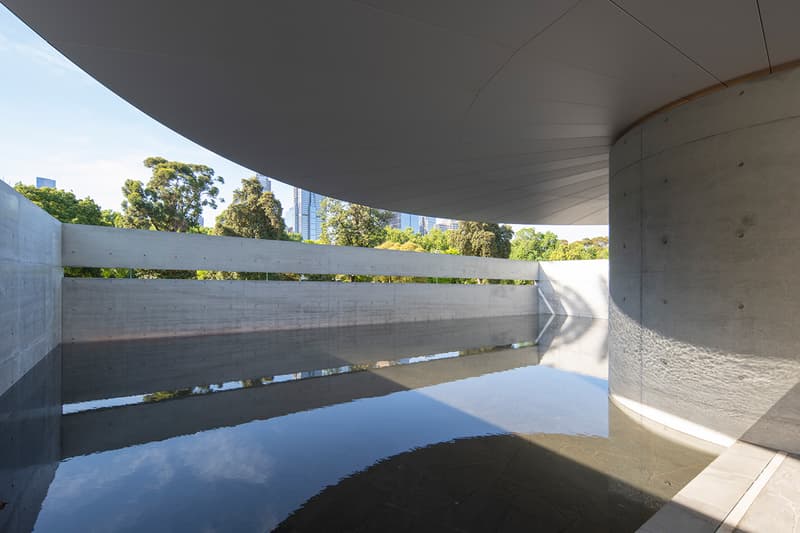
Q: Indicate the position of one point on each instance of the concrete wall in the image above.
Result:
(704, 253)
(110, 309)
(30, 285)
(94, 246)
(575, 288)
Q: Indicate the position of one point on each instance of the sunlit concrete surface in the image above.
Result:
(703, 314)
(703, 322)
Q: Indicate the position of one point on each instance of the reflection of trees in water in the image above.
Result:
(199, 390)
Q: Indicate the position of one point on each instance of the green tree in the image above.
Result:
(64, 206)
(173, 199)
(530, 245)
(254, 213)
(401, 236)
(594, 248)
(408, 246)
(352, 224)
(438, 241)
(482, 239)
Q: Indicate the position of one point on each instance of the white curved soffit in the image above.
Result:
(486, 109)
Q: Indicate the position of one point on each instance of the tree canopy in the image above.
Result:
(254, 213)
(595, 248)
(64, 206)
(530, 245)
(173, 198)
(435, 241)
(408, 246)
(482, 239)
(347, 224)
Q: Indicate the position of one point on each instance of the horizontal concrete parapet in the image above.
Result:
(96, 246)
(112, 309)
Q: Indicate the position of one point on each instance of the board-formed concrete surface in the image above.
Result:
(704, 252)
(30, 285)
(114, 309)
(95, 246)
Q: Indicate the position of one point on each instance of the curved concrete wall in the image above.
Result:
(705, 310)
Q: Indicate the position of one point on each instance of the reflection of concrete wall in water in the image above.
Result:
(30, 285)
(30, 442)
(575, 339)
(703, 248)
(575, 344)
(98, 370)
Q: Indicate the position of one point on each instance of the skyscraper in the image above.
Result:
(305, 213)
(295, 213)
(290, 220)
(45, 182)
(403, 221)
(265, 182)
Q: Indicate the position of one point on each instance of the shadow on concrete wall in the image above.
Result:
(732, 392)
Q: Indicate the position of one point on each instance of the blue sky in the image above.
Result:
(57, 122)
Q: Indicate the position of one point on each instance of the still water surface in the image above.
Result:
(447, 426)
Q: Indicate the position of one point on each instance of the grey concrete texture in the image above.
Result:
(703, 250)
(704, 503)
(95, 246)
(30, 285)
(99, 370)
(769, 511)
(575, 288)
(114, 309)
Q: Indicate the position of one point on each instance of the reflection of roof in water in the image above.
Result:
(507, 483)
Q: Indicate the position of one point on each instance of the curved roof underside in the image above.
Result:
(469, 109)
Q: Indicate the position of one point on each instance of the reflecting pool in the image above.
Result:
(468, 425)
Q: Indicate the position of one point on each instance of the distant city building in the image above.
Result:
(290, 220)
(304, 217)
(444, 224)
(403, 221)
(45, 182)
(296, 210)
(424, 225)
(265, 182)
(310, 223)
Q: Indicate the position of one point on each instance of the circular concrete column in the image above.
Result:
(705, 265)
